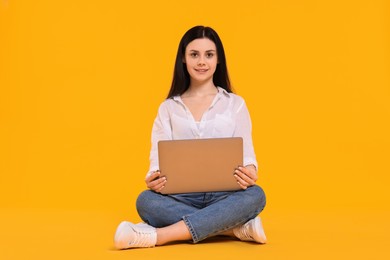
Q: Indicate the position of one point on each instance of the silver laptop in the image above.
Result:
(200, 165)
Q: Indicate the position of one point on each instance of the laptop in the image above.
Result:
(200, 165)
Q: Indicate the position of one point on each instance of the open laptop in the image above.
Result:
(200, 165)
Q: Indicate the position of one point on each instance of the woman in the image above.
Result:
(200, 104)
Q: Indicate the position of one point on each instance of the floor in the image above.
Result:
(292, 234)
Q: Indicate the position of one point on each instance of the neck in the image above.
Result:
(201, 89)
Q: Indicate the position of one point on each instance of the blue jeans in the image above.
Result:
(205, 214)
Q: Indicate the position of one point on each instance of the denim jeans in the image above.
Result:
(205, 214)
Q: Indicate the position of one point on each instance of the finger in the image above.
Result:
(160, 189)
(246, 180)
(252, 173)
(244, 187)
(157, 183)
(154, 183)
(243, 169)
(153, 179)
(152, 176)
(248, 172)
(240, 181)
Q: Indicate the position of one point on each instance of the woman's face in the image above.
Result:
(201, 60)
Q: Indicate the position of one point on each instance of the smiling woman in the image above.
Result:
(200, 104)
(80, 84)
(201, 61)
(189, 56)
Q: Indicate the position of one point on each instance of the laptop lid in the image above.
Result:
(200, 165)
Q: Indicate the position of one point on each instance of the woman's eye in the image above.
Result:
(210, 55)
(194, 55)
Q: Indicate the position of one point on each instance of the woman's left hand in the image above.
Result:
(246, 176)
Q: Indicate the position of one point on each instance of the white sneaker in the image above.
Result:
(144, 225)
(129, 235)
(251, 231)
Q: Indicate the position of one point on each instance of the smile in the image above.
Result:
(201, 70)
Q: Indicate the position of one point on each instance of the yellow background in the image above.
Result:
(80, 84)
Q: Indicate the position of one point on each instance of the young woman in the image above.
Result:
(200, 104)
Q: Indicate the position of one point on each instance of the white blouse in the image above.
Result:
(227, 116)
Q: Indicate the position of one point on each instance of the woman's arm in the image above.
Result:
(246, 175)
(161, 130)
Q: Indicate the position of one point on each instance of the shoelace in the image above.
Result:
(143, 238)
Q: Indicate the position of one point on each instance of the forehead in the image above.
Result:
(202, 44)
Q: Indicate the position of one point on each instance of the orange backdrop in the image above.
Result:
(81, 81)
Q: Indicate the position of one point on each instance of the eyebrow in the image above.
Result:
(206, 51)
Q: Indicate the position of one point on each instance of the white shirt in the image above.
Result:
(227, 116)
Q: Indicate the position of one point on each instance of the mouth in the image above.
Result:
(201, 70)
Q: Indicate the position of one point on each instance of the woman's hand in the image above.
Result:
(154, 182)
(246, 176)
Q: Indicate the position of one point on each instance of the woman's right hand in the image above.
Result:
(154, 182)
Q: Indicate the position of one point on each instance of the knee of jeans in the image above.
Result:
(258, 195)
(143, 202)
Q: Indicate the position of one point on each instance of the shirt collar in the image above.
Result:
(221, 91)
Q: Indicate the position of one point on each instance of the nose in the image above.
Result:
(201, 61)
